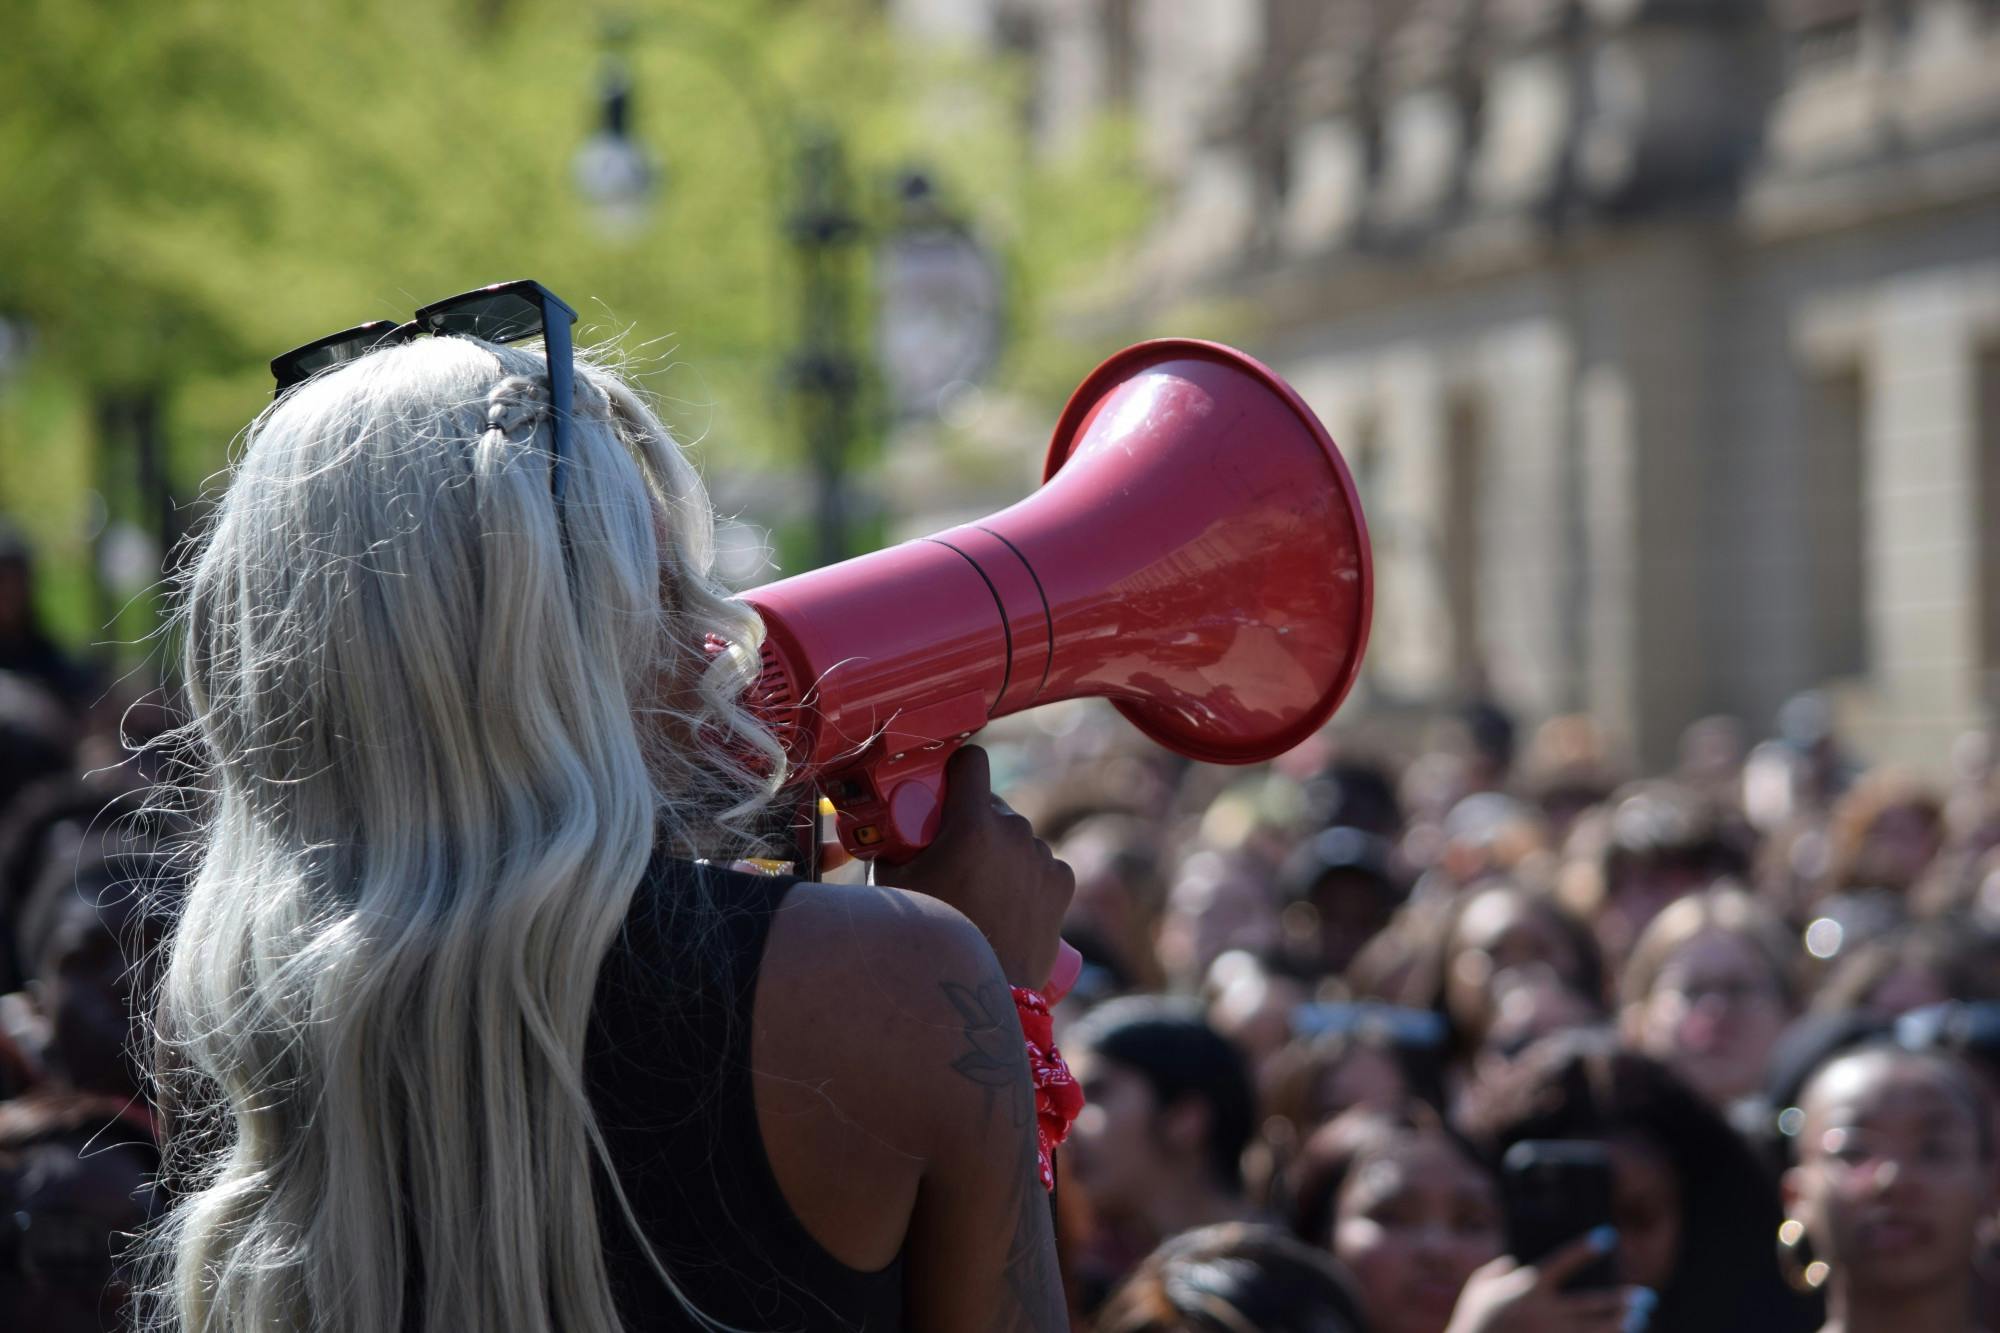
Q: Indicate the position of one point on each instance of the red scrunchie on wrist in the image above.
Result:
(1058, 1099)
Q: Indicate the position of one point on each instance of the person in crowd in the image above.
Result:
(1343, 1055)
(1340, 891)
(1894, 1192)
(1693, 1207)
(26, 647)
(1407, 1208)
(1568, 771)
(1351, 791)
(1219, 901)
(1968, 1031)
(1119, 894)
(1712, 753)
(456, 1022)
(1822, 767)
(1427, 790)
(1348, 1054)
(37, 736)
(1490, 733)
(1971, 1034)
(1158, 1147)
(56, 825)
(1497, 942)
(1709, 989)
(1922, 964)
(1956, 882)
(1529, 1005)
(86, 931)
(18, 1070)
(1403, 1205)
(77, 1186)
(1653, 843)
(1233, 1277)
(1251, 1004)
(1885, 832)
(1488, 835)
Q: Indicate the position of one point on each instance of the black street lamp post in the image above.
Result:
(824, 375)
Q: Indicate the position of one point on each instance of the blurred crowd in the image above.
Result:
(1325, 997)
(85, 890)
(1322, 1000)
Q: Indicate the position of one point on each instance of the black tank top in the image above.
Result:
(667, 1066)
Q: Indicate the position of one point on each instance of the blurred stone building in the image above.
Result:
(1663, 335)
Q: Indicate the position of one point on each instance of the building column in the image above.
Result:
(1411, 643)
(1921, 521)
(1525, 580)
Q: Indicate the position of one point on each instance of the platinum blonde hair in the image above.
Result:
(443, 729)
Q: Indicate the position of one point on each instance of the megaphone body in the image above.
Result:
(1196, 553)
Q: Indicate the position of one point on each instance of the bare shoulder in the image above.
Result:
(896, 1105)
(902, 984)
(889, 944)
(917, 979)
(861, 1016)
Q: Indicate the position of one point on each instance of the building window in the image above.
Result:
(1836, 534)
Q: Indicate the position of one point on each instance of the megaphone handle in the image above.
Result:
(891, 816)
(905, 820)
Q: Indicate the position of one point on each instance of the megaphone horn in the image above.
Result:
(1196, 554)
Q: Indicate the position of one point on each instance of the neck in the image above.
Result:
(1942, 1308)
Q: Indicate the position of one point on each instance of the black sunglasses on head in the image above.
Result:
(506, 312)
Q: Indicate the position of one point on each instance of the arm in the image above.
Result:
(909, 1117)
(981, 1245)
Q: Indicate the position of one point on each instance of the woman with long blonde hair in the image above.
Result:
(462, 1026)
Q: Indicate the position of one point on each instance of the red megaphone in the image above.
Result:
(1196, 554)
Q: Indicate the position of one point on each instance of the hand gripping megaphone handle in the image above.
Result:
(891, 813)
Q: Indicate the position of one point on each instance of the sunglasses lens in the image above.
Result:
(320, 358)
(305, 362)
(502, 317)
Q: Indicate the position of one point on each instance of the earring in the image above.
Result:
(1803, 1273)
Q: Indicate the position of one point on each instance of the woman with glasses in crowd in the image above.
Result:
(1709, 990)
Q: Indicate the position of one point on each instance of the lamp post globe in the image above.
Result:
(939, 303)
(612, 169)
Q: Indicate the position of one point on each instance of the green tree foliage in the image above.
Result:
(191, 187)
